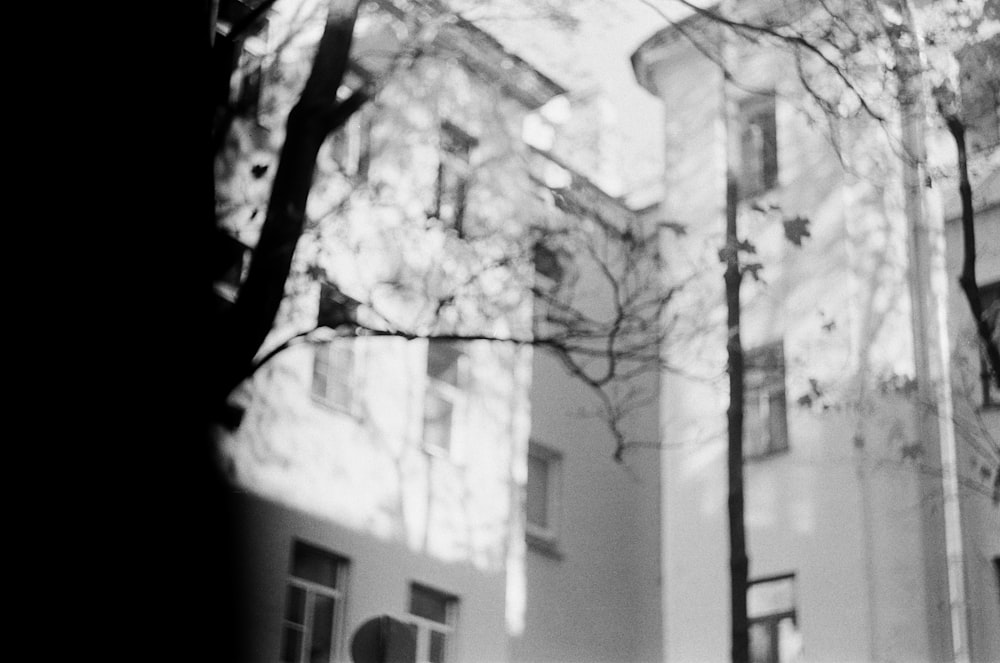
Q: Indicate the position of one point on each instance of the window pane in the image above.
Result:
(538, 491)
(776, 421)
(754, 433)
(295, 605)
(442, 361)
(436, 653)
(789, 641)
(321, 643)
(291, 647)
(438, 412)
(762, 646)
(429, 604)
(771, 597)
(312, 564)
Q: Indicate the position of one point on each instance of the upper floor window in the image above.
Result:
(454, 170)
(239, 58)
(979, 86)
(335, 376)
(232, 258)
(350, 145)
(445, 372)
(548, 264)
(433, 615)
(765, 421)
(989, 295)
(774, 631)
(314, 606)
(758, 145)
(542, 497)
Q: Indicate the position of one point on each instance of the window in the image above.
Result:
(453, 176)
(758, 145)
(445, 367)
(314, 606)
(548, 263)
(232, 258)
(542, 494)
(765, 425)
(333, 382)
(980, 91)
(350, 145)
(432, 615)
(996, 567)
(774, 631)
(990, 297)
(239, 58)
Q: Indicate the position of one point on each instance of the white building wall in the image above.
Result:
(845, 509)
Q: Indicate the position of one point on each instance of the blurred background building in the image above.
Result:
(847, 512)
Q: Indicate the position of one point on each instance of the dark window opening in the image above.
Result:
(765, 416)
(989, 295)
(453, 176)
(758, 145)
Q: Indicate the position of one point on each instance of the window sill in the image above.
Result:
(330, 406)
(767, 455)
(545, 546)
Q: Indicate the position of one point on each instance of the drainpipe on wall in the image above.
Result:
(928, 289)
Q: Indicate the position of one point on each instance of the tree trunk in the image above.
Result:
(739, 564)
(967, 279)
(316, 114)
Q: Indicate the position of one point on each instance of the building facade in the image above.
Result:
(415, 457)
(846, 512)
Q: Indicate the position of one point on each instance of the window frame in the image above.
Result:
(350, 144)
(758, 110)
(989, 296)
(312, 589)
(323, 353)
(455, 147)
(545, 538)
(771, 620)
(451, 393)
(764, 381)
(423, 627)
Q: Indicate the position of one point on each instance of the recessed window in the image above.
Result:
(314, 605)
(445, 371)
(542, 498)
(239, 58)
(453, 176)
(231, 260)
(765, 417)
(989, 295)
(758, 145)
(433, 615)
(334, 381)
(548, 263)
(773, 621)
(350, 145)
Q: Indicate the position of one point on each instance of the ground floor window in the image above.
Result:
(432, 614)
(773, 619)
(314, 606)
